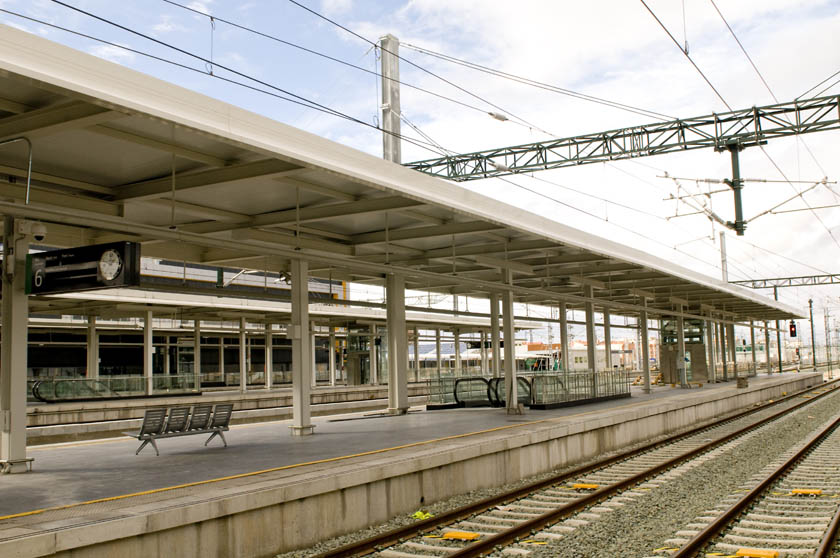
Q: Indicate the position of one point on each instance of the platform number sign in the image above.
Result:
(101, 266)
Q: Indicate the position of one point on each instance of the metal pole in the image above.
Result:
(752, 347)
(813, 338)
(390, 46)
(723, 267)
(828, 345)
(778, 332)
(681, 372)
(643, 320)
(767, 348)
(737, 184)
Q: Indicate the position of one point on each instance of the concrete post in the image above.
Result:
(813, 338)
(511, 387)
(243, 357)
(416, 355)
(92, 349)
(643, 322)
(390, 98)
(591, 340)
(495, 340)
(607, 340)
(197, 352)
(301, 359)
(148, 353)
(13, 351)
(397, 345)
(752, 348)
(331, 356)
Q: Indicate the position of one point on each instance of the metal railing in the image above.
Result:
(52, 390)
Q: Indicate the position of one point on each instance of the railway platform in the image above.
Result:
(97, 498)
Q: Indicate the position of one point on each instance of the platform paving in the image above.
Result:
(66, 474)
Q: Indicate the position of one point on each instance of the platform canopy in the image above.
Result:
(121, 155)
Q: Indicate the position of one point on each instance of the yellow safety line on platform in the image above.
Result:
(272, 470)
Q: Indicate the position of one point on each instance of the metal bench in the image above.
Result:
(180, 422)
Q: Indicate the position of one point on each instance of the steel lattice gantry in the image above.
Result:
(720, 131)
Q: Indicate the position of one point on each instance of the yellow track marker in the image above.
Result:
(757, 553)
(807, 491)
(584, 486)
(461, 535)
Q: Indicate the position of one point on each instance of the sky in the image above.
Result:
(612, 49)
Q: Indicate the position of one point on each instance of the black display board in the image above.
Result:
(101, 266)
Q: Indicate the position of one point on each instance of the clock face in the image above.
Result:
(110, 264)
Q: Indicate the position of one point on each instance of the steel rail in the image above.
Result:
(704, 537)
(826, 548)
(395, 536)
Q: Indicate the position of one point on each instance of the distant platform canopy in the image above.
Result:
(119, 155)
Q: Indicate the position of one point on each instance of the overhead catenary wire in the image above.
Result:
(421, 68)
(764, 81)
(538, 84)
(814, 213)
(325, 56)
(293, 98)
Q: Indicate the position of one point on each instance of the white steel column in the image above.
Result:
(373, 368)
(397, 345)
(731, 334)
(331, 355)
(197, 352)
(484, 365)
(243, 357)
(437, 350)
(13, 365)
(301, 353)
(722, 338)
(645, 340)
(607, 340)
(312, 355)
(752, 347)
(710, 350)
(148, 353)
(457, 335)
(767, 348)
(681, 373)
(269, 357)
(591, 340)
(511, 387)
(416, 355)
(495, 342)
(92, 349)
(564, 343)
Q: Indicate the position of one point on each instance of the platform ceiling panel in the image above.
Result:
(249, 190)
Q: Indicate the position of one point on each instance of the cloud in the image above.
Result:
(166, 25)
(112, 53)
(336, 7)
(201, 6)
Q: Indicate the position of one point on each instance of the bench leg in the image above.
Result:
(145, 443)
(214, 434)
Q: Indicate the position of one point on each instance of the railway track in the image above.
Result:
(792, 508)
(517, 522)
